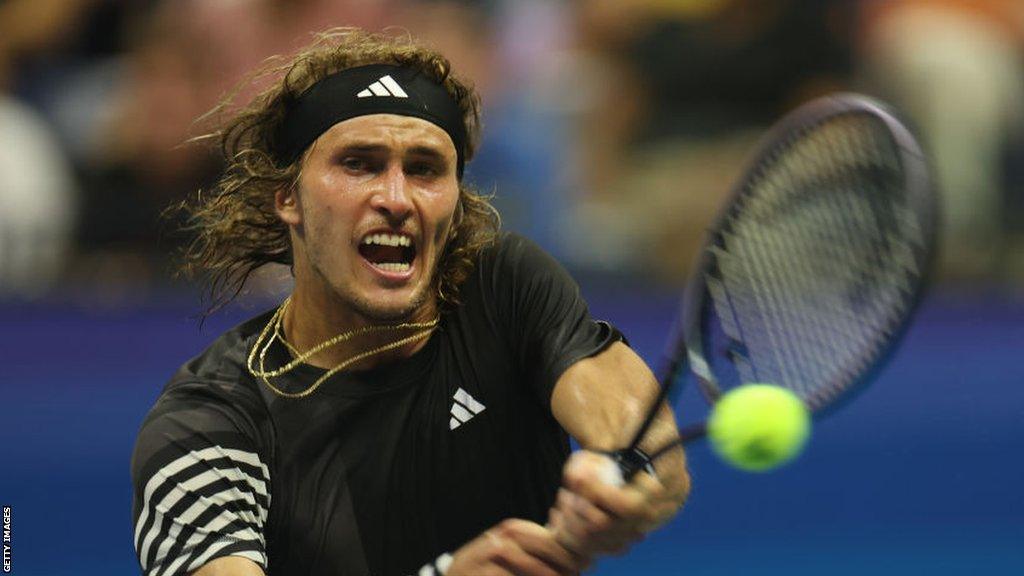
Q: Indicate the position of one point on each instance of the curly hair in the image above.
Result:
(235, 228)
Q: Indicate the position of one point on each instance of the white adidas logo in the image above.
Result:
(464, 408)
(386, 86)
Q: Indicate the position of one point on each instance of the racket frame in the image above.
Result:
(685, 352)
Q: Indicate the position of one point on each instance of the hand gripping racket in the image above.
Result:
(814, 267)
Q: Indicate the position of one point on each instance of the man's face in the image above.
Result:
(372, 213)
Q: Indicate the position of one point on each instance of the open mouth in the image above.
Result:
(389, 252)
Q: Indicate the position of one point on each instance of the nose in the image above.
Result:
(392, 200)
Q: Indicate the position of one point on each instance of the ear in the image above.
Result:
(457, 216)
(286, 204)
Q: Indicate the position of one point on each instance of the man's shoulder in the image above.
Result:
(509, 249)
(209, 403)
(507, 241)
(513, 258)
(220, 368)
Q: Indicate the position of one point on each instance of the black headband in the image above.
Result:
(372, 89)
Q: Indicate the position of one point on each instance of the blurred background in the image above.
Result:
(613, 129)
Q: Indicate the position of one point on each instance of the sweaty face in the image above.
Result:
(374, 206)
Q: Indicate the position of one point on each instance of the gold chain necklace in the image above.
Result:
(274, 329)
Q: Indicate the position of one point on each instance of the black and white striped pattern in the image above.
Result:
(205, 504)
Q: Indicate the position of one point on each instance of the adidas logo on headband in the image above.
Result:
(386, 86)
(368, 90)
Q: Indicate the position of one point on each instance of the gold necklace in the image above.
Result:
(275, 329)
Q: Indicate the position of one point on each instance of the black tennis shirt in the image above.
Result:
(380, 471)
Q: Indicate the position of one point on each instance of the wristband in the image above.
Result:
(439, 567)
(632, 461)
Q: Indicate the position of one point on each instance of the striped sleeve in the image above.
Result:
(202, 490)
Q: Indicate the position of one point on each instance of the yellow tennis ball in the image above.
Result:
(757, 427)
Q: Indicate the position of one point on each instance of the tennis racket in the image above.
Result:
(813, 269)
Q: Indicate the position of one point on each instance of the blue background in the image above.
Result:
(922, 474)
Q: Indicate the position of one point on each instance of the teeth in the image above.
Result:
(388, 240)
(393, 266)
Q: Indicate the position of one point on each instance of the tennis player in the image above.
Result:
(406, 410)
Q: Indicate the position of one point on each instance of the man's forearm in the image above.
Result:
(601, 402)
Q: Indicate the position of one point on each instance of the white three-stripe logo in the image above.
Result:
(463, 408)
(386, 86)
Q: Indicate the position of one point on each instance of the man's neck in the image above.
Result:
(312, 319)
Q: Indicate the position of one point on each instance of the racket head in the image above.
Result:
(815, 265)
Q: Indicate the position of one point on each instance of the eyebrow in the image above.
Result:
(419, 150)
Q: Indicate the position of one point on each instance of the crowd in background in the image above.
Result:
(613, 128)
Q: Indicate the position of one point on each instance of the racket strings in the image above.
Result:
(815, 266)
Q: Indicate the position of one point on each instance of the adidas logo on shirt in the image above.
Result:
(385, 87)
(463, 409)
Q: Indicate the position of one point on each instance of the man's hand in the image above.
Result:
(592, 516)
(515, 548)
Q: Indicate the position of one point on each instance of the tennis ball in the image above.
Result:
(757, 427)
